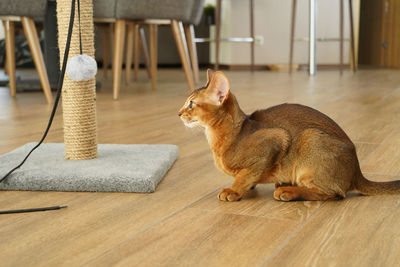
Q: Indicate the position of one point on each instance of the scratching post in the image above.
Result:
(118, 168)
(78, 98)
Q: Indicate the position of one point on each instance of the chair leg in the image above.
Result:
(353, 56)
(10, 55)
(312, 39)
(145, 50)
(129, 52)
(177, 29)
(252, 35)
(292, 28)
(341, 37)
(106, 40)
(34, 45)
(136, 53)
(189, 32)
(217, 32)
(153, 54)
(5, 56)
(118, 47)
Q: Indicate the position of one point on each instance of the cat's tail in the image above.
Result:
(367, 187)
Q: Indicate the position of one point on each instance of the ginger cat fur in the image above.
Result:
(302, 151)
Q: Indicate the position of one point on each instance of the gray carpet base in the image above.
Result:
(118, 168)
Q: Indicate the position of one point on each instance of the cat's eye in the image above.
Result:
(191, 104)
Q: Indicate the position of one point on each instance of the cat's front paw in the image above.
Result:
(227, 194)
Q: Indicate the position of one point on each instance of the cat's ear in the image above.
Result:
(210, 73)
(218, 88)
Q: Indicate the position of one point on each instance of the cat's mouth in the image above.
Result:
(191, 124)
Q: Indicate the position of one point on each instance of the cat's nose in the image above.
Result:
(180, 114)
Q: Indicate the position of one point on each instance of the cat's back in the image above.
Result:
(295, 118)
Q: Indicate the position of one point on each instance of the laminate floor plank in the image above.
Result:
(357, 231)
(183, 223)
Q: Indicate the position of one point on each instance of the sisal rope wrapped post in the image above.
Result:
(78, 98)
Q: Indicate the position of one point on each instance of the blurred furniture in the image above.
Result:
(184, 35)
(218, 38)
(380, 33)
(194, 19)
(312, 39)
(104, 19)
(24, 11)
(136, 39)
(154, 13)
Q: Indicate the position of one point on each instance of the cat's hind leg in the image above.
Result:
(288, 193)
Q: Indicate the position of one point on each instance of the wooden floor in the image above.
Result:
(183, 223)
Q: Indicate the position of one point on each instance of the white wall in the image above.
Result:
(272, 21)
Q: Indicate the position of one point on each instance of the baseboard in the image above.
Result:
(270, 67)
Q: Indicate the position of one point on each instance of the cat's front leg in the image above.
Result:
(244, 180)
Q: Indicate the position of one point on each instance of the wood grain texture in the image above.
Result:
(353, 62)
(190, 36)
(201, 238)
(259, 202)
(118, 47)
(153, 33)
(364, 150)
(10, 54)
(34, 45)
(183, 223)
(386, 157)
(358, 231)
(392, 54)
(181, 44)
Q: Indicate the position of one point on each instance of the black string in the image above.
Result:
(79, 26)
(60, 84)
(32, 210)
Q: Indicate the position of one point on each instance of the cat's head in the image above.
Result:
(204, 104)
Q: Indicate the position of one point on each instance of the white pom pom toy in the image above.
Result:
(81, 68)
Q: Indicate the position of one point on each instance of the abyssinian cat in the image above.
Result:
(304, 152)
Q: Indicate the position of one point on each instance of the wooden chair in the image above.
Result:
(184, 35)
(135, 36)
(185, 46)
(130, 17)
(113, 28)
(31, 35)
(136, 40)
(154, 13)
